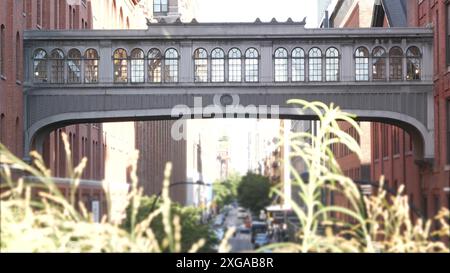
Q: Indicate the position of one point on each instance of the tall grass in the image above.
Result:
(378, 223)
(51, 223)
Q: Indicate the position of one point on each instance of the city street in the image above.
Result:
(241, 242)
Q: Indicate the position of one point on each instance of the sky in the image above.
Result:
(249, 10)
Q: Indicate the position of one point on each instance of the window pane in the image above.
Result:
(281, 65)
(396, 64)
(234, 65)
(315, 64)
(298, 65)
(40, 66)
(2, 49)
(218, 65)
(171, 66)
(154, 66)
(413, 64)
(379, 64)
(57, 66)
(448, 131)
(91, 66)
(137, 65)
(448, 34)
(332, 64)
(120, 66)
(251, 65)
(74, 66)
(362, 64)
(200, 65)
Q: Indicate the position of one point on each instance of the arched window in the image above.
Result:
(315, 64)
(396, 64)
(378, 64)
(298, 65)
(234, 65)
(171, 65)
(332, 64)
(281, 65)
(362, 64)
(413, 58)
(2, 49)
(18, 58)
(2, 128)
(120, 66)
(40, 67)
(251, 65)
(18, 136)
(56, 14)
(39, 12)
(74, 66)
(154, 65)
(217, 65)
(137, 65)
(200, 65)
(57, 66)
(91, 66)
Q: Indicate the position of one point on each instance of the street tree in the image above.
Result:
(254, 192)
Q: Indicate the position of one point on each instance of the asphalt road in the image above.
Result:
(241, 242)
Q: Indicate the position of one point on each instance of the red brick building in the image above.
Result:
(94, 141)
(427, 183)
(16, 16)
(156, 148)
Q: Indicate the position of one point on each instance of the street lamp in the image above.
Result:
(199, 182)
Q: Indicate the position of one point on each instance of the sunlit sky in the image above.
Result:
(249, 10)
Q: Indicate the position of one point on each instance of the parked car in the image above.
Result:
(261, 239)
(219, 220)
(219, 233)
(242, 213)
(244, 230)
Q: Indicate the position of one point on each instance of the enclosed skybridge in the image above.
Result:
(383, 75)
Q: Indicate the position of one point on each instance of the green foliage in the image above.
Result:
(378, 223)
(49, 222)
(225, 192)
(192, 230)
(253, 192)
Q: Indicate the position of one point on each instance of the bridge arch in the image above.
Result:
(422, 138)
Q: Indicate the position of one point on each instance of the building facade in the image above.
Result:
(109, 146)
(391, 156)
(427, 183)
